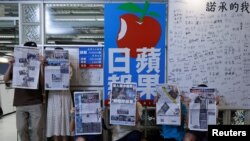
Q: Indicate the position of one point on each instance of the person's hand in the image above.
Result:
(187, 101)
(102, 112)
(182, 98)
(217, 100)
(109, 95)
(137, 97)
(42, 59)
(11, 61)
(156, 98)
(72, 110)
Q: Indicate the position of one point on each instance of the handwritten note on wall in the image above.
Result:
(209, 42)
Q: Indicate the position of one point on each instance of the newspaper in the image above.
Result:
(168, 105)
(202, 108)
(57, 70)
(87, 113)
(26, 68)
(123, 104)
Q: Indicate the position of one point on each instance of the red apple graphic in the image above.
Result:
(138, 32)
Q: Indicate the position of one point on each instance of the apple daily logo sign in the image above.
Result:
(135, 46)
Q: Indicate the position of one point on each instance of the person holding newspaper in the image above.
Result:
(29, 105)
(174, 132)
(58, 112)
(193, 135)
(127, 133)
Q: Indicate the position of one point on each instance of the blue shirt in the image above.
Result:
(175, 131)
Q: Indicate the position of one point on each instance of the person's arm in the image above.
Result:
(70, 71)
(185, 108)
(184, 114)
(217, 100)
(7, 75)
(41, 74)
(138, 112)
(105, 125)
(156, 98)
(72, 119)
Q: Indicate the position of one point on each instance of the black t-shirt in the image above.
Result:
(25, 97)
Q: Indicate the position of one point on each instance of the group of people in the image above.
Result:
(60, 116)
(30, 117)
(180, 133)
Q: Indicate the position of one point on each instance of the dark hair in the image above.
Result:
(30, 44)
(59, 48)
(202, 85)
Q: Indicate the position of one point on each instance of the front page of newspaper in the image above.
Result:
(87, 113)
(202, 108)
(57, 70)
(123, 104)
(26, 68)
(168, 106)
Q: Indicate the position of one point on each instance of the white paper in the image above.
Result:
(168, 106)
(57, 70)
(202, 108)
(26, 68)
(83, 77)
(87, 113)
(123, 104)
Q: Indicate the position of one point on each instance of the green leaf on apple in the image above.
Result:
(131, 7)
(145, 9)
(154, 14)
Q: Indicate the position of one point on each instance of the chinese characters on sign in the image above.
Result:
(126, 59)
(223, 6)
(211, 47)
(147, 68)
(90, 57)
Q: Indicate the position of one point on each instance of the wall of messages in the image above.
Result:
(209, 42)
